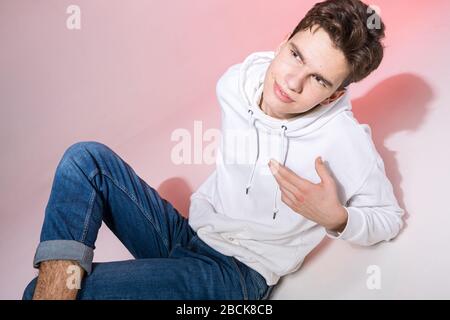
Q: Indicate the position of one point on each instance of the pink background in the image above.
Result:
(138, 70)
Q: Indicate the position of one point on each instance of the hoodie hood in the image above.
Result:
(251, 84)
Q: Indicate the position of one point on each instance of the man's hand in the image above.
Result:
(317, 202)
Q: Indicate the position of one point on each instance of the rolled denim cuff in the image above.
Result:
(65, 250)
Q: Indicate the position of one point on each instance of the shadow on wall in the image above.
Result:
(399, 103)
(177, 191)
(396, 104)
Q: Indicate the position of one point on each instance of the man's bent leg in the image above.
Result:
(194, 271)
(93, 184)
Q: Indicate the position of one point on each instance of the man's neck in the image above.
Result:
(289, 117)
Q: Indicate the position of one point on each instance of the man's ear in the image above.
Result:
(336, 95)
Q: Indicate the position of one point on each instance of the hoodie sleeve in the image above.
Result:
(373, 212)
(201, 202)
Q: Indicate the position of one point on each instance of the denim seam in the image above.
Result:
(173, 248)
(241, 279)
(267, 293)
(85, 254)
(87, 220)
(259, 279)
(188, 246)
(193, 240)
(118, 185)
(260, 282)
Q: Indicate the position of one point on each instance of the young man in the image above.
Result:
(252, 221)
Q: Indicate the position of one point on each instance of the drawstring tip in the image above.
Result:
(275, 211)
(246, 190)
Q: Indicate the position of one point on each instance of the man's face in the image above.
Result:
(309, 69)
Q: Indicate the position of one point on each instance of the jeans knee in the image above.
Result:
(83, 150)
(29, 290)
(83, 146)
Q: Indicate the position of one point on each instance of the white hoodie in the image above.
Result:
(233, 210)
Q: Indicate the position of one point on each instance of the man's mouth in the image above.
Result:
(281, 94)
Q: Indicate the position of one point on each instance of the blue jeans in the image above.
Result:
(93, 184)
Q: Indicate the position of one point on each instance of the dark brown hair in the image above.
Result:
(346, 22)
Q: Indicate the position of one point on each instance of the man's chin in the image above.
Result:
(281, 113)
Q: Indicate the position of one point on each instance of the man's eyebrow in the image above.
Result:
(297, 50)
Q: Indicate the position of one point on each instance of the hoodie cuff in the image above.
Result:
(353, 228)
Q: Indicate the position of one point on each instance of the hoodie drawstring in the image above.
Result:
(284, 150)
(252, 121)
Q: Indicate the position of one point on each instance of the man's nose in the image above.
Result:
(296, 81)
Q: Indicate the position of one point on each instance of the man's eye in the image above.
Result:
(294, 54)
(320, 81)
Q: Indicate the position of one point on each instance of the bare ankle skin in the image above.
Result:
(58, 280)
